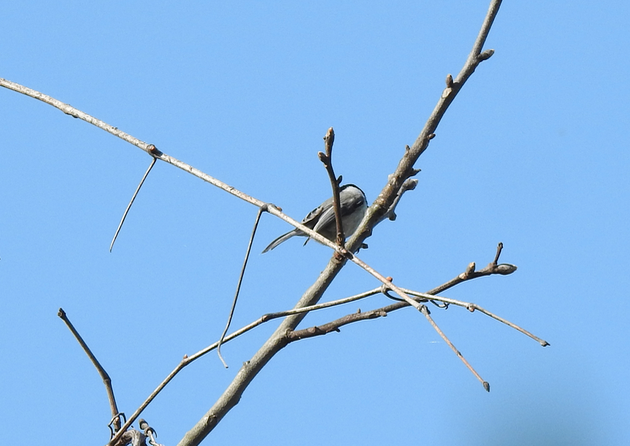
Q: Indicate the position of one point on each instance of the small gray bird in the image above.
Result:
(322, 219)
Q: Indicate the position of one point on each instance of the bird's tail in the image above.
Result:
(281, 239)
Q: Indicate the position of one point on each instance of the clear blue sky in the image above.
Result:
(533, 153)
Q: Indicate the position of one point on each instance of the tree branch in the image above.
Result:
(381, 205)
(99, 368)
(326, 159)
(379, 208)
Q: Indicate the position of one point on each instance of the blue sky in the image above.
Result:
(533, 153)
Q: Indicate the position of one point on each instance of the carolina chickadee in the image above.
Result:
(322, 218)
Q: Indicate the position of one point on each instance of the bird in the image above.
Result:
(322, 220)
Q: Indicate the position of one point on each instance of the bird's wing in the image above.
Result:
(312, 218)
(328, 217)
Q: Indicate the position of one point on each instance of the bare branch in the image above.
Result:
(157, 154)
(341, 252)
(101, 371)
(135, 194)
(427, 314)
(293, 335)
(379, 208)
(320, 330)
(381, 205)
(326, 159)
(334, 326)
(265, 318)
(405, 167)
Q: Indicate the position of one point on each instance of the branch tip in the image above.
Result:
(498, 254)
(505, 269)
(329, 140)
(486, 385)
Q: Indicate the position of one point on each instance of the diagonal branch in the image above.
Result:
(133, 198)
(405, 167)
(99, 368)
(341, 252)
(381, 205)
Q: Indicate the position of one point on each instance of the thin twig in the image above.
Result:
(542, 342)
(238, 286)
(326, 159)
(319, 330)
(383, 311)
(265, 318)
(427, 314)
(101, 371)
(323, 305)
(122, 220)
(472, 307)
(333, 326)
(420, 307)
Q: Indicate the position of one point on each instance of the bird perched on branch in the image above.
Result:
(322, 220)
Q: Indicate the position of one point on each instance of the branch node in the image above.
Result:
(469, 270)
(449, 81)
(154, 151)
(486, 385)
(487, 54)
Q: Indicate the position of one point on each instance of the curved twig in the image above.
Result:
(238, 286)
